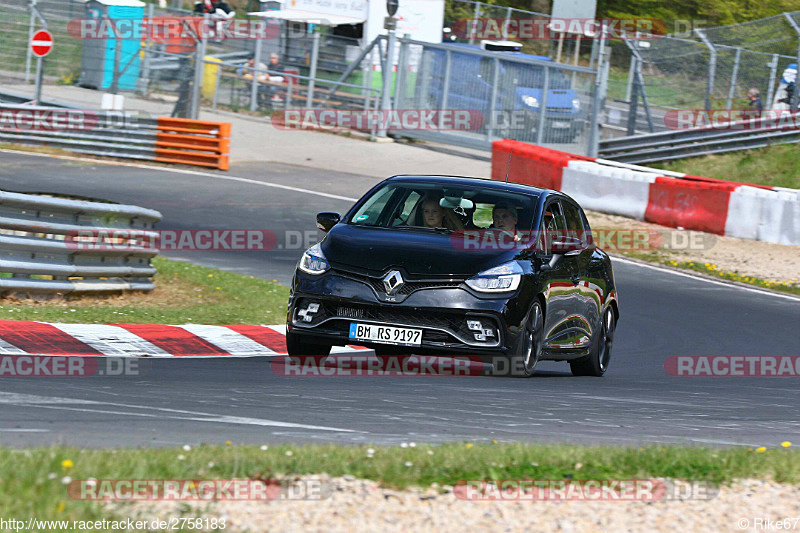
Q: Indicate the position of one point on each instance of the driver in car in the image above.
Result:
(505, 218)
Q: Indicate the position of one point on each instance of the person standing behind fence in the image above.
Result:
(755, 108)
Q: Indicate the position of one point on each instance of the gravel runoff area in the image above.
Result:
(363, 505)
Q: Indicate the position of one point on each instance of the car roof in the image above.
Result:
(502, 52)
(477, 182)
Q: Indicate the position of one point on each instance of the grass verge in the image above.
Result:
(774, 166)
(791, 287)
(184, 293)
(35, 479)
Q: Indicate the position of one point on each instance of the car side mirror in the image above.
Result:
(566, 245)
(325, 221)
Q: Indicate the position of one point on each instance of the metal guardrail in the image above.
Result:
(38, 253)
(19, 99)
(117, 134)
(668, 145)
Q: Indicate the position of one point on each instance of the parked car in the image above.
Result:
(520, 88)
(509, 273)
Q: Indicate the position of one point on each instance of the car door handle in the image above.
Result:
(576, 279)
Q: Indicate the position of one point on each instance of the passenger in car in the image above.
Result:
(505, 218)
(436, 216)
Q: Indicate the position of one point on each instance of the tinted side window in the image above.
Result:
(553, 224)
(575, 225)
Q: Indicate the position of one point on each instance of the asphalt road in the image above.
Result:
(213, 400)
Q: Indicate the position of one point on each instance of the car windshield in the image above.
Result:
(434, 206)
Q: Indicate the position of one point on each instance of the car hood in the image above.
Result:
(556, 98)
(419, 253)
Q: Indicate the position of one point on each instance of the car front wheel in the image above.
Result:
(596, 363)
(529, 348)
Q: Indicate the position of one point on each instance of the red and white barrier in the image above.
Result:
(673, 199)
(145, 340)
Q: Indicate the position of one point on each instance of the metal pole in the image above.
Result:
(560, 46)
(505, 26)
(492, 109)
(633, 108)
(216, 88)
(773, 71)
(386, 100)
(448, 63)
(576, 57)
(543, 107)
(402, 70)
(117, 57)
(29, 55)
(145, 75)
(734, 75)
(288, 101)
(645, 103)
(631, 71)
(312, 73)
(600, 82)
(796, 27)
(254, 83)
(712, 66)
(197, 85)
(39, 75)
(474, 22)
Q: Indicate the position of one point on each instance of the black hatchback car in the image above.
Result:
(458, 266)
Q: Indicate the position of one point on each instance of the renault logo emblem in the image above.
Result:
(392, 282)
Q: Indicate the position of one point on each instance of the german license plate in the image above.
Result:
(385, 334)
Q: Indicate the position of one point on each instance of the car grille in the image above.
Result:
(408, 287)
(424, 319)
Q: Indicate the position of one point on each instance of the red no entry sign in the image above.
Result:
(42, 43)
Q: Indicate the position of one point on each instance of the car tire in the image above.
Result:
(296, 345)
(596, 363)
(523, 361)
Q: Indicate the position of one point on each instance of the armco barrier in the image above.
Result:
(36, 258)
(667, 198)
(115, 134)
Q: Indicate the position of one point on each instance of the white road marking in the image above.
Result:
(52, 402)
(666, 270)
(228, 340)
(110, 340)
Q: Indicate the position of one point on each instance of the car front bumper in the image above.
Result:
(441, 313)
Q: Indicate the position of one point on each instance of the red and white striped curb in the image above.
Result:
(145, 340)
(673, 199)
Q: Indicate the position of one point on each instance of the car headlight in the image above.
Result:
(530, 101)
(313, 261)
(576, 104)
(503, 278)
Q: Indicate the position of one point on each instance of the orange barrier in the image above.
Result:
(193, 142)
